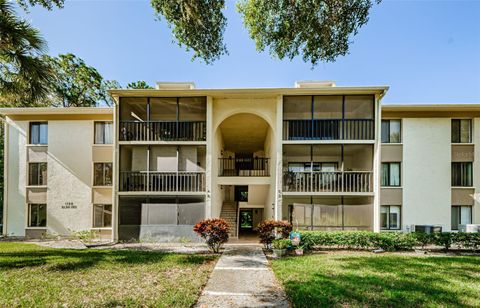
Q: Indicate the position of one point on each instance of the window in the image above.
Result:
(391, 131)
(390, 174)
(103, 174)
(461, 215)
(103, 132)
(102, 215)
(37, 215)
(38, 133)
(462, 175)
(37, 174)
(390, 217)
(461, 131)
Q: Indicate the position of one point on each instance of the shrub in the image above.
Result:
(281, 244)
(214, 231)
(268, 230)
(389, 241)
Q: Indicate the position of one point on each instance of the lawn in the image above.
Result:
(334, 279)
(35, 276)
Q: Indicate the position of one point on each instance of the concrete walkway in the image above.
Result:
(242, 278)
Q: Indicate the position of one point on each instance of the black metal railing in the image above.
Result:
(159, 181)
(333, 181)
(163, 131)
(258, 166)
(329, 129)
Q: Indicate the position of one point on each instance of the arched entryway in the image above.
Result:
(244, 166)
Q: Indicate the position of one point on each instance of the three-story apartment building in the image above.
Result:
(321, 156)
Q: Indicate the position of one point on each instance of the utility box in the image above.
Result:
(469, 228)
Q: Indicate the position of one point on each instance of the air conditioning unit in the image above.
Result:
(428, 229)
(469, 228)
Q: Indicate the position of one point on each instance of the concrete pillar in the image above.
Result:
(476, 171)
(209, 157)
(116, 170)
(278, 158)
(377, 164)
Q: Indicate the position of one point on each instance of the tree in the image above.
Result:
(197, 24)
(76, 84)
(139, 85)
(48, 4)
(23, 73)
(318, 30)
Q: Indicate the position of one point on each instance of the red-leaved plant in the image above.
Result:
(214, 231)
(269, 230)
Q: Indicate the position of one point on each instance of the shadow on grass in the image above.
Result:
(382, 281)
(72, 260)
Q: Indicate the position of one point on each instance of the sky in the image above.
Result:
(426, 51)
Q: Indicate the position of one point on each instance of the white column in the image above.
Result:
(476, 171)
(278, 160)
(116, 169)
(376, 164)
(208, 157)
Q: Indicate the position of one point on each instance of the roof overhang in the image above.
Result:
(248, 92)
(56, 111)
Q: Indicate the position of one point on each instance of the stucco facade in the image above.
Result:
(313, 155)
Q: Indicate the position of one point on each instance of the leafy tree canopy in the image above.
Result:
(317, 30)
(22, 71)
(76, 84)
(139, 85)
(197, 24)
(48, 4)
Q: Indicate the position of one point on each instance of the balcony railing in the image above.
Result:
(258, 166)
(156, 181)
(335, 181)
(163, 131)
(329, 129)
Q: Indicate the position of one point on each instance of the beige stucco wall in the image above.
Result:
(16, 213)
(426, 171)
(70, 177)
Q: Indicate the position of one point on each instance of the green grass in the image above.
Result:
(35, 276)
(389, 280)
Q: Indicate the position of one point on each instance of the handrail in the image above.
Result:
(328, 181)
(329, 129)
(162, 181)
(242, 166)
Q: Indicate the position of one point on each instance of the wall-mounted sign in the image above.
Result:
(69, 205)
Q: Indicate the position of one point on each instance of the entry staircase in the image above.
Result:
(229, 214)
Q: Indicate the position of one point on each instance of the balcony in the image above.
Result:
(329, 129)
(163, 131)
(334, 181)
(244, 166)
(156, 181)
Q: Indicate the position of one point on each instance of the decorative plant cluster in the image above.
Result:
(269, 230)
(214, 231)
(389, 241)
(281, 244)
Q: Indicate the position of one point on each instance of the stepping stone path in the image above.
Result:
(242, 278)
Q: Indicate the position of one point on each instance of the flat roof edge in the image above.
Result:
(55, 110)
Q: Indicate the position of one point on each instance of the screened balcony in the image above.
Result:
(163, 119)
(328, 168)
(349, 117)
(351, 213)
(162, 169)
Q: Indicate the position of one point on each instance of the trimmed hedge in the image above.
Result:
(389, 241)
